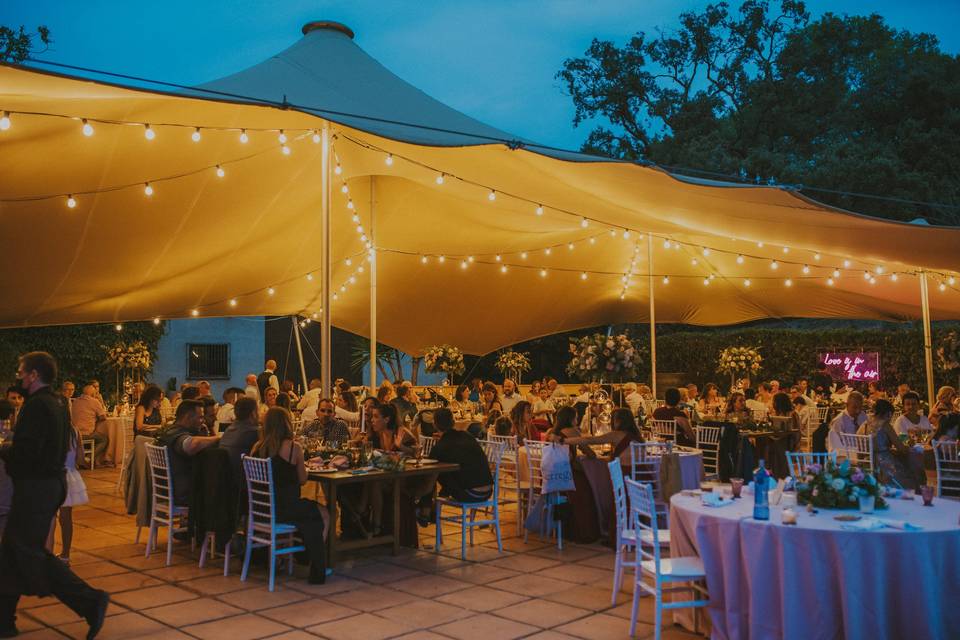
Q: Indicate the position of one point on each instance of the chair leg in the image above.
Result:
(633, 607)
(137, 539)
(496, 523)
(151, 538)
(169, 542)
(273, 564)
(439, 533)
(203, 550)
(246, 558)
(617, 574)
(226, 559)
(463, 533)
(658, 614)
(473, 516)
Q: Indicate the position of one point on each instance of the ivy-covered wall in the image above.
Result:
(79, 349)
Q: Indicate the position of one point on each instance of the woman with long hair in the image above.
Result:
(461, 399)
(269, 402)
(534, 394)
(623, 431)
(489, 399)
(895, 460)
(522, 418)
(710, 402)
(737, 406)
(146, 417)
(386, 392)
(582, 525)
(289, 474)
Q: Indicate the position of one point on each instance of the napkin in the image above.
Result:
(714, 500)
(863, 524)
(900, 524)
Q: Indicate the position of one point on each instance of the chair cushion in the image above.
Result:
(683, 567)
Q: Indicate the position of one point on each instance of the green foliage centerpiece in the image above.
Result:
(837, 486)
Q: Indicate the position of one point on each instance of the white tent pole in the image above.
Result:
(303, 369)
(325, 324)
(927, 339)
(653, 318)
(373, 290)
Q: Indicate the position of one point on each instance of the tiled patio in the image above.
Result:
(528, 591)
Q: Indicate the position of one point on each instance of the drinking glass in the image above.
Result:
(866, 503)
(736, 485)
(926, 492)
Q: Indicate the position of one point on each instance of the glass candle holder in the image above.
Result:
(736, 486)
(866, 503)
(926, 492)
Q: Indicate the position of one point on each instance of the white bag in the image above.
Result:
(555, 467)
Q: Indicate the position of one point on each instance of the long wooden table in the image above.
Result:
(330, 482)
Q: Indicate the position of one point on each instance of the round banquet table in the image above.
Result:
(818, 581)
(116, 425)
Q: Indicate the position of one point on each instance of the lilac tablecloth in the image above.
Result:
(815, 580)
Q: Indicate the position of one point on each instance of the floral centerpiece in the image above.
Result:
(948, 353)
(443, 359)
(837, 486)
(600, 356)
(739, 360)
(513, 363)
(131, 361)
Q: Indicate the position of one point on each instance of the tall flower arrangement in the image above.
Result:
(513, 364)
(599, 356)
(948, 353)
(443, 359)
(131, 361)
(739, 360)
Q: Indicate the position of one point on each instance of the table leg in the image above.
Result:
(396, 516)
(330, 490)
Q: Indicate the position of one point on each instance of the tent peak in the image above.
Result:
(329, 25)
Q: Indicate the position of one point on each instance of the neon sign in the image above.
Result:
(852, 365)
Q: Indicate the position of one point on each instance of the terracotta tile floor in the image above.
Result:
(531, 590)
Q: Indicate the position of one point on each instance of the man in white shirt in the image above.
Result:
(632, 397)
(796, 392)
(752, 403)
(510, 397)
(765, 394)
(312, 396)
(252, 391)
(848, 421)
(226, 414)
(911, 418)
(774, 387)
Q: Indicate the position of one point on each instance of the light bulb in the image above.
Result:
(543, 273)
(846, 264)
(149, 133)
(338, 169)
(156, 321)
(220, 172)
(389, 160)
(893, 277)
(355, 218)
(233, 302)
(788, 282)
(349, 204)
(344, 188)
(195, 312)
(5, 121)
(774, 264)
(951, 280)
(786, 249)
(360, 269)
(309, 276)
(336, 296)
(666, 279)
(539, 209)
(71, 202)
(244, 138)
(195, 136)
(943, 287)
(739, 259)
(760, 245)
(666, 244)
(746, 282)
(285, 149)
(492, 195)
(816, 256)
(343, 288)
(836, 273)
(712, 276)
(360, 228)
(623, 296)
(676, 246)
(363, 238)
(694, 261)
(503, 268)
(439, 178)
(830, 282)
(441, 259)
(583, 276)
(118, 327)
(866, 275)
(873, 280)
(523, 255)
(87, 128)
(282, 137)
(147, 189)
(613, 233)
(706, 251)
(706, 282)
(352, 279)
(584, 223)
(470, 259)
(593, 241)
(316, 137)
(570, 246)
(497, 257)
(626, 234)
(423, 259)
(463, 264)
(271, 291)
(547, 251)
(806, 269)
(348, 262)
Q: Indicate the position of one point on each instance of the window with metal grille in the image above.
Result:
(205, 361)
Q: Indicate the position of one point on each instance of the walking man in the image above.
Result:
(35, 463)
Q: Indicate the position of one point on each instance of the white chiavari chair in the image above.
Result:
(797, 461)
(948, 468)
(664, 430)
(708, 442)
(858, 449)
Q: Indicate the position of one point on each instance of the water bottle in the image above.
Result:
(761, 485)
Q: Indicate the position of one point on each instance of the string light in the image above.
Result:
(706, 282)
(705, 251)
(893, 277)
(873, 280)
(774, 264)
(492, 195)
(470, 259)
(951, 281)
(195, 312)
(503, 268)
(285, 149)
(424, 259)
(497, 258)
(583, 275)
(846, 264)
(87, 128)
(879, 269)
(233, 302)
(147, 189)
(344, 188)
(570, 246)
(118, 327)
(244, 138)
(543, 273)
(786, 249)
(282, 138)
(584, 223)
(71, 202)
(806, 269)
(830, 282)
(593, 240)
(547, 251)
(348, 262)
(539, 209)
(389, 160)
(666, 279)
(350, 204)
(439, 178)
(338, 169)
(760, 245)
(5, 121)
(694, 262)
(309, 277)
(271, 291)
(523, 255)
(220, 172)
(316, 137)
(866, 275)
(816, 257)
(441, 259)
(788, 282)
(943, 287)
(613, 233)
(463, 264)
(666, 244)
(836, 273)
(746, 282)
(195, 136)
(626, 234)
(149, 133)
(156, 321)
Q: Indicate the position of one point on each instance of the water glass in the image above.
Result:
(866, 503)
(736, 486)
(926, 492)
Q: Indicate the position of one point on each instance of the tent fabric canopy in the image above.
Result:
(248, 243)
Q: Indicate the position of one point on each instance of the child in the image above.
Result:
(76, 495)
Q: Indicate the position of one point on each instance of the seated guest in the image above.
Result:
(206, 391)
(312, 395)
(847, 421)
(895, 460)
(765, 395)
(461, 399)
(226, 414)
(328, 427)
(287, 387)
(522, 419)
(534, 394)
(623, 431)
(737, 406)
(97, 394)
(911, 419)
(185, 440)
(67, 389)
(289, 474)
(405, 404)
(687, 406)
(902, 390)
(209, 415)
(388, 434)
(874, 392)
(510, 396)
(240, 436)
(472, 482)
(346, 401)
(15, 398)
(489, 399)
(949, 428)
(753, 405)
(710, 403)
(503, 427)
(693, 393)
(386, 392)
(90, 419)
(543, 408)
(270, 396)
(147, 417)
(672, 411)
(189, 392)
(803, 386)
(945, 404)
(252, 390)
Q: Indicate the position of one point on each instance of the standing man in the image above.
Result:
(251, 390)
(268, 378)
(35, 463)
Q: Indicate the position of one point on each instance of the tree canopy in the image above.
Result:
(843, 107)
(16, 45)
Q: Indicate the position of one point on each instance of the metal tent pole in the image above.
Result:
(653, 318)
(373, 290)
(326, 321)
(303, 369)
(927, 340)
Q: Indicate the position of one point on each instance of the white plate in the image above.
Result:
(321, 470)
(428, 461)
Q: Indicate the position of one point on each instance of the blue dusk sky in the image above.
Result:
(494, 60)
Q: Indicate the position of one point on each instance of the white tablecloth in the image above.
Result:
(816, 580)
(115, 427)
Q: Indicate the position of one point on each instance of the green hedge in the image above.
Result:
(77, 348)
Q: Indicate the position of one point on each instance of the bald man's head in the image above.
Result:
(271, 365)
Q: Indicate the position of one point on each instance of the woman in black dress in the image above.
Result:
(289, 474)
(146, 417)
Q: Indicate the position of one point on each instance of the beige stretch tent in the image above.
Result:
(249, 243)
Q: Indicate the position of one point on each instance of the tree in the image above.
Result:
(387, 358)
(840, 104)
(18, 45)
